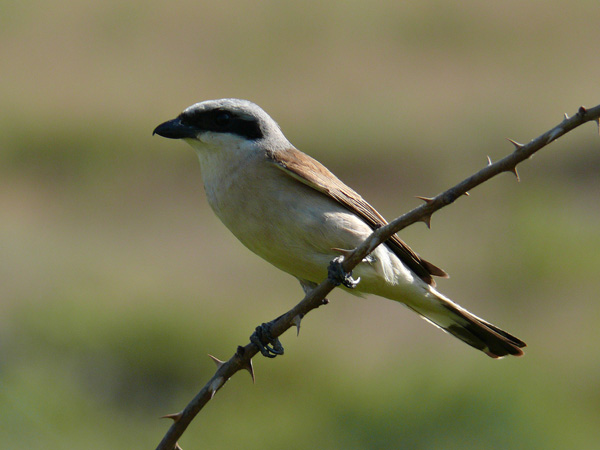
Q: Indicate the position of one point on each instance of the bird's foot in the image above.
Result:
(337, 274)
(265, 342)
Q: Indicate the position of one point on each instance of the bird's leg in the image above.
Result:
(337, 274)
(264, 341)
(270, 346)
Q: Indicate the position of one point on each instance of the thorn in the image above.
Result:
(174, 417)
(489, 160)
(566, 116)
(217, 361)
(513, 170)
(250, 369)
(214, 386)
(177, 447)
(296, 321)
(598, 123)
(515, 143)
(427, 200)
(554, 134)
(466, 194)
(582, 111)
(427, 220)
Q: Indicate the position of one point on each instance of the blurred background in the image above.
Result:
(116, 279)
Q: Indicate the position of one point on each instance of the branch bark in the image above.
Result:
(242, 359)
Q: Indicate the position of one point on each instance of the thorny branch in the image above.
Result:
(242, 359)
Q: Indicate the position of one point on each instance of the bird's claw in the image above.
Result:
(338, 275)
(265, 342)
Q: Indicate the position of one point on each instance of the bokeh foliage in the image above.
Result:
(116, 279)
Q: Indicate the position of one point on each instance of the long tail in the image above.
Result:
(447, 315)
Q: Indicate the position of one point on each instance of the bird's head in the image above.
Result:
(225, 123)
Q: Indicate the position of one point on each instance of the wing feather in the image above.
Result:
(314, 174)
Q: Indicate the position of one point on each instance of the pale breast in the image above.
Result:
(284, 221)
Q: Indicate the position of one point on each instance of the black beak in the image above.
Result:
(174, 129)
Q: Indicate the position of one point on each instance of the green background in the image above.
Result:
(116, 279)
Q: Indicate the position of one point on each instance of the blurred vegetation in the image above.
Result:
(116, 280)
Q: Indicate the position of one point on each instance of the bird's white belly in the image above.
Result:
(290, 225)
(294, 238)
(298, 229)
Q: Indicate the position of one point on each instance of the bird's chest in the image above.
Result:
(279, 218)
(271, 213)
(250, 199)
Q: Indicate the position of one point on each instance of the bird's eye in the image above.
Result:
(222, 119)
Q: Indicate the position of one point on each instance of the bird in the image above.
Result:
(290, 210)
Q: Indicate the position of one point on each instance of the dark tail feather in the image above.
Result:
(472, 330)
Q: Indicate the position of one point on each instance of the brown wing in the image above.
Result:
(314, 174)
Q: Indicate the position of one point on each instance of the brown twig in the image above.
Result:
(242, 359)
